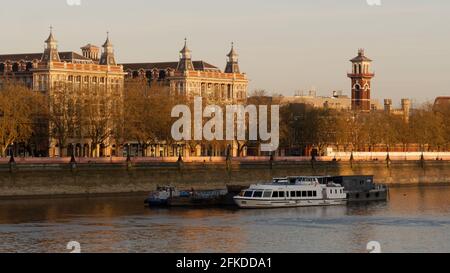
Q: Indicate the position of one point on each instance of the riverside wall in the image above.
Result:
(56, 178)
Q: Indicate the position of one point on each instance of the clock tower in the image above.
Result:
(361, 77)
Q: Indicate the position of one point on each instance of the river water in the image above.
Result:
(416, 219)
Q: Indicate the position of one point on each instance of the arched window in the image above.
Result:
(15, 67)
(357, 91)
(149, 75)
(162, 75)
(135, 74)
(29, 66)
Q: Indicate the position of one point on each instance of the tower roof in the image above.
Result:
(185, 49)
(50, 38)
(232, 63)
(361, 57)
(232, 51)
(107, 42)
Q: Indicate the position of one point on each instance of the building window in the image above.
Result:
(258, 194)
(15, 67)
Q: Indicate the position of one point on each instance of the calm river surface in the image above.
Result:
(416, 219)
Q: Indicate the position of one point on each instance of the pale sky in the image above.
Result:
(284, 45)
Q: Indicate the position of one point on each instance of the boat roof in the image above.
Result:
(291, 186)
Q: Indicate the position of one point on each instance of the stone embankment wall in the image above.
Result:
(48, 178)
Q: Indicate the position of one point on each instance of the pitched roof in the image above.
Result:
(68, 56)
(442, 101)
(19, 57)
(361, 58)
(198, 65)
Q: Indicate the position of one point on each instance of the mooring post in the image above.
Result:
(12, 163)
(422, 160)
(129, 163)
(351, 160)
(73, 162)
(388, 160)
(271, 160)
(313, 160)
(180, 162)
(228, 160)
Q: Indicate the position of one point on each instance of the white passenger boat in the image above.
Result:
(285, 192)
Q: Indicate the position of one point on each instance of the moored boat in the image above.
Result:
(359, 188)
(282, 193)
(169, 196)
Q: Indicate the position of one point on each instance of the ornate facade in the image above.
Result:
(196, 78)
(53, 71)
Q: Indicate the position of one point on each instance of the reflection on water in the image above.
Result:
(414, 220)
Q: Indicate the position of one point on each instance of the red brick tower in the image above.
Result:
(361, 77)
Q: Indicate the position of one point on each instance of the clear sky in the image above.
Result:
(284, 45)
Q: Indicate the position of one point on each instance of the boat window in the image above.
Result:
(281, 194)
(304, 194)
(299, 194)
(248, 193)
(293, 194)
(315, 193)
(310, 193)
(267, 194)
(275, 194)
(258, 194)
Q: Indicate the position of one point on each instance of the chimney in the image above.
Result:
(388, 106)
(91, 52)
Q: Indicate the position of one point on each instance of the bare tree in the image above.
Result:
(17, 107)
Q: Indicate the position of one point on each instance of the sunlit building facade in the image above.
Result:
(53, 71)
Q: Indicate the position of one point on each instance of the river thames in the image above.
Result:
(416, 219)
